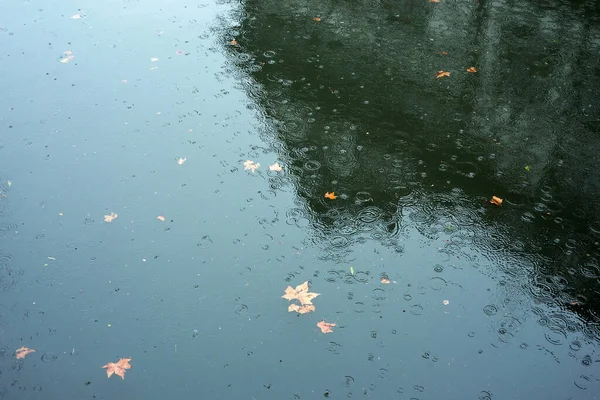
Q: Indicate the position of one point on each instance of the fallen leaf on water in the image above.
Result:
(275, 167)
(109, 218)
(249, 164)
(446, 302)
(434, 1)
(444, 53)
(118, 367)
(331, 196)
(352, 270)
(496, 201)
(9, 183)
(527, 168)
(153, 59)
(325, 326)
(472, 69)
(23, 351)
(68, 56)
(317, 19)
(306, 308)
(441, 74)
(233, 42)
(181, 160)
(385, 280)
(179, 52)
(301, 294)
(160, 218)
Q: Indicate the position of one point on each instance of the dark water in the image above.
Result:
(153, 111)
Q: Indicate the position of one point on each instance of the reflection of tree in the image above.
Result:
(358, 110)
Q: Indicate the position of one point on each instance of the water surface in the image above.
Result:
(151, 109)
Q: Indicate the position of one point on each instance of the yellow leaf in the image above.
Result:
(496, 201)
(110, 217)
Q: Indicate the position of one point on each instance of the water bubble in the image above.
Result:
(339, 241)
(555, 336)
(240, 309)
(379, 294)
(416, 309)
(362, 197)
(484, 395)
(369, 215)
(359, 307)
(586, 360)
(49, 357)
(312, 165)
(490, 310)
(334, 347)
(437, 283)
(204, 242)
(361, 277)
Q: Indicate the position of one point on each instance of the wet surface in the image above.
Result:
(147, 113)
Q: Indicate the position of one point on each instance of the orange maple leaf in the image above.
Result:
(251, 165)
(301, 294)
(23, 351)
(109, 218)
(118, 367)
(275, 167)
(325, 326)
(472, 69)
(441, 74)
(331, 196)
(317, 19)
(385, 280)
(496, 201)
(233, 42)
(444, 53)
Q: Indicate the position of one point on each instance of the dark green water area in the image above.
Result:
(143, 215)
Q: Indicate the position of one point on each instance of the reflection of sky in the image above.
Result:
(201, 291)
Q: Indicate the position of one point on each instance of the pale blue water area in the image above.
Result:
(154, 115)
